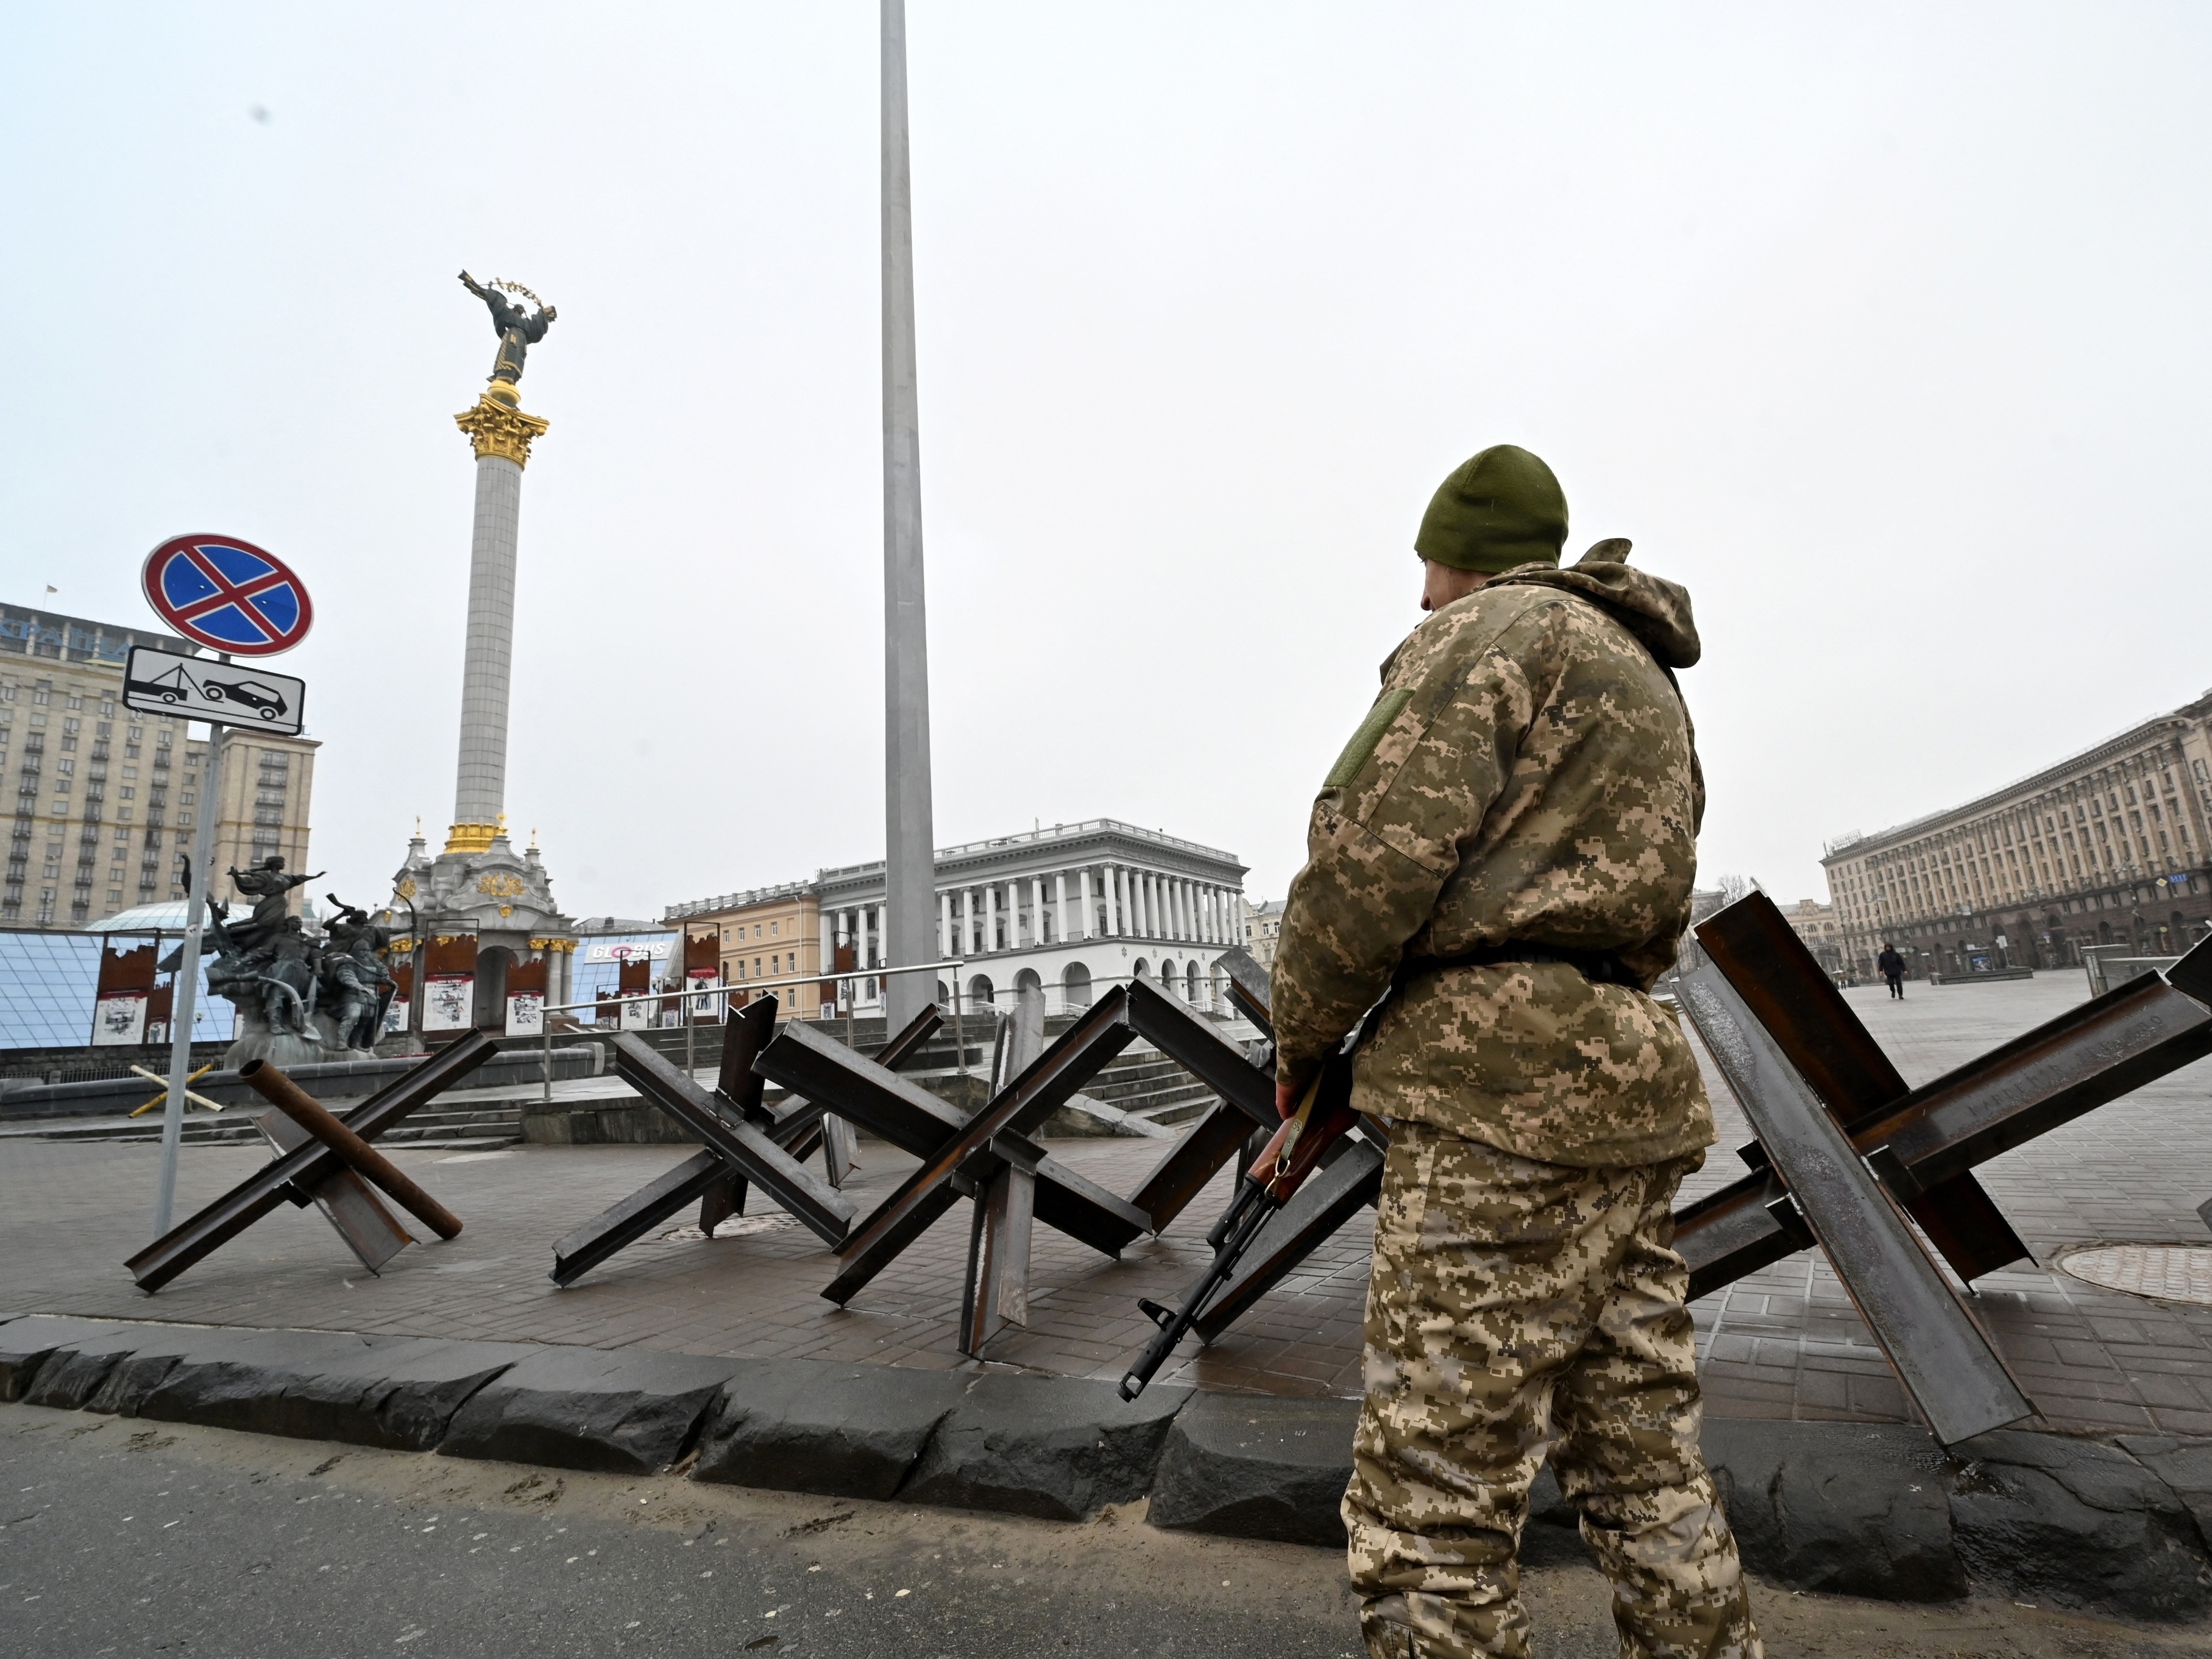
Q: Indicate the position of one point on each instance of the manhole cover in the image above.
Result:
(2171, 1273)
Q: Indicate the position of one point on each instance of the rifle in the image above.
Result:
(1324, 1115)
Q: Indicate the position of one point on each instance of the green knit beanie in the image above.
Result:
(1501, 509)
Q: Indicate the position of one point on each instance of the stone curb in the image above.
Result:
(1873, 1509)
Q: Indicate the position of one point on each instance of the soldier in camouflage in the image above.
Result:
(1506, 847)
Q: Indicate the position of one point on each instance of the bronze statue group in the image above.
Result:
(274, 971)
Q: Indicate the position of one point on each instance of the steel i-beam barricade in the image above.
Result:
(306, 1171)
(798, 1126)
(746, 1144)
(1919, 1143)
(1790, 994)
(990, 1159)
(1939, 1354)
(1245, 1113)
(319, 1121)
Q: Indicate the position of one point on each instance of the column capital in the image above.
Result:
(498, 428)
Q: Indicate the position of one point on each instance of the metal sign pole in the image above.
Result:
(185, 987)
(228, 596)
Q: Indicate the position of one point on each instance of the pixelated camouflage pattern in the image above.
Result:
(1539, 785)
(1519, 1309)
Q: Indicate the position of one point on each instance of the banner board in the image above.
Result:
(525, 998)
(449, 983)
(449, 1002)
(118, 1010)
(402, 998)
(702, 971)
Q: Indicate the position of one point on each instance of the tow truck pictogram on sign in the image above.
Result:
(202, 689)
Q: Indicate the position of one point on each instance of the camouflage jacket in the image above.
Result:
(1527, 776)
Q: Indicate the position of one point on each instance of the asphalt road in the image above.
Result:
(127, 1537)
(119, 1536)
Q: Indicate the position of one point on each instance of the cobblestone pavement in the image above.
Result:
(1783, 1343)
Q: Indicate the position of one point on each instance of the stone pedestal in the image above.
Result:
(502, 896)
(285, 1049)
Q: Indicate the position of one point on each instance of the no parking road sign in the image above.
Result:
(229, 694)
(229, 595)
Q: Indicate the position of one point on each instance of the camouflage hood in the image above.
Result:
(1654, 609)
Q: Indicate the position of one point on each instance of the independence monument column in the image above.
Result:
(486, 928)
(501, 434)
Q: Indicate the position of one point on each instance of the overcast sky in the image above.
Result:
(1882, 330)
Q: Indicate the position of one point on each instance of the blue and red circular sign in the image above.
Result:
(228, 595)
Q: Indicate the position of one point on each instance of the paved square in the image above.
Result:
(1783, 1343)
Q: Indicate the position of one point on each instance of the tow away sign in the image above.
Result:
(205, 688)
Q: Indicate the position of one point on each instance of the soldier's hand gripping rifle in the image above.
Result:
(1323, 1115)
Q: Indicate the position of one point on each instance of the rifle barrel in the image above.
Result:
(1254, 1216)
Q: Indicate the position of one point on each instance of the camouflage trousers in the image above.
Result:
(1518, 1309)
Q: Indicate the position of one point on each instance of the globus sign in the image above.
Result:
(228, 595)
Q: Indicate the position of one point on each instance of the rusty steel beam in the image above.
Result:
(1331, 1196)
(2067, 1067)
(370, 1231)
(294, 1175)
(1212, 1141)
(1945, 1360)
(892, 1107)
(1760, 955)
(996, 1287)
(365, 1161)
(1247, 1091)
(1177, 1031)
(815, 1204)
(963, 1164)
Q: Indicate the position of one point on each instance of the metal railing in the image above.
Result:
(719, 989)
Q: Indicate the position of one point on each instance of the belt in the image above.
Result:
(1598, 967)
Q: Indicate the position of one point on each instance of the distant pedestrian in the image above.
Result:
(1892, 969)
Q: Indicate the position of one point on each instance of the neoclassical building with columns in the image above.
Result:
(1064, 911)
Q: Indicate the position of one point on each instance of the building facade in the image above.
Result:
(2107, 847)
(105, 797)
(1062, 913)
(770, 933)
(1817, 924)
(1263, 925)
(263, 800)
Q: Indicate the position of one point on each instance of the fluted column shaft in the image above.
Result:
(480, 787)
